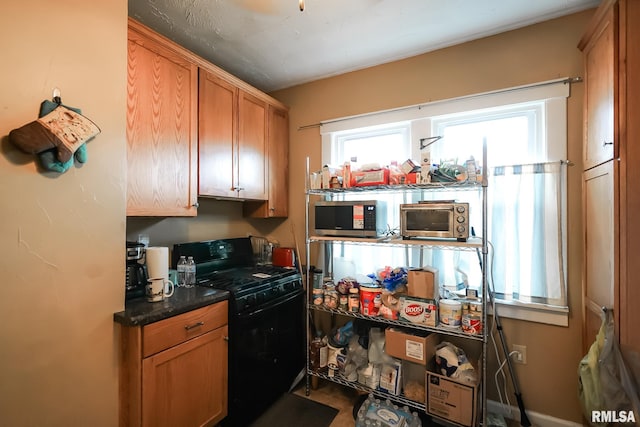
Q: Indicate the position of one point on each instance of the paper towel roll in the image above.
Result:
(157, 262)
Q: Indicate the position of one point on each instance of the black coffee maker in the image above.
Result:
(136, 270)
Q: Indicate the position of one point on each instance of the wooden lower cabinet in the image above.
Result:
(600, 242)
(184, 381)
(185, 385)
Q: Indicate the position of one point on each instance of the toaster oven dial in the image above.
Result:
(460, 219)
(460, 209)
(461, 229)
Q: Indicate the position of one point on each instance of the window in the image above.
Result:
(525, 130)
(526, 197)
(370, 145)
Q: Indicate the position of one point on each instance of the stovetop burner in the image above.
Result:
(236, 279)
(255, 287)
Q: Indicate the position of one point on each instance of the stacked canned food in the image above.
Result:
(472, 316)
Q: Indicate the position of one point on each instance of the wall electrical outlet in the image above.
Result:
(519, 354)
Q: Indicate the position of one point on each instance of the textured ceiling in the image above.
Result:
(272, 45)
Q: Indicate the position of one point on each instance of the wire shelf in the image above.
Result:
(472, 244)
(401, 323)
(338, 378)
(433, 186)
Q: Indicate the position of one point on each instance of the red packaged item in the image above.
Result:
(370, 177)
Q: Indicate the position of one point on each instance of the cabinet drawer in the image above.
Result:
(166, 333)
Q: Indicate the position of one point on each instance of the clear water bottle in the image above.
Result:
(182, 271)
(190, 276)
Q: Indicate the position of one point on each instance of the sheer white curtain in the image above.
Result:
(525, 230)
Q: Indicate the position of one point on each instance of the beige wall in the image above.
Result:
(61, 257)
(537, 53)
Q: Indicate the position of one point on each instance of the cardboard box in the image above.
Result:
(423, 283)
(414, 346)
(409, 166)
(372, 177)
(425, 166)
(419, 311)
(451, 399)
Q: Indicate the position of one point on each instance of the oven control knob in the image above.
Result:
(461, 229)
(460, 209)
(460, 219)
(261, 297)
(250, 301)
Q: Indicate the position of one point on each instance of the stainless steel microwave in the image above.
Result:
(442, 219)
(358, 218)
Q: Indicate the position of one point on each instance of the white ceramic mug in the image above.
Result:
(155, 289)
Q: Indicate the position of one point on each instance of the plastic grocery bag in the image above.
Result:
(605, 382)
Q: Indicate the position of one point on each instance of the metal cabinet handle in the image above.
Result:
(225, 338)
(605, 143)
(196, 205)
(195, 325)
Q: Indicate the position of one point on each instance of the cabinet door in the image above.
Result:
(161, 130)
(252, 147)
(277, 205)
(186, 385)
(217, 130)
(600, 246)
(278, 162)
(600, 86)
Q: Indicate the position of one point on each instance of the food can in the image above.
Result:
(471, 324)
(344, 302)
(330, 297)
(318, 296)
(475, 307)
(450, 313)
(369, 306)
(354, 300)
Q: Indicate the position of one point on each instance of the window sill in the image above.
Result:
(530, 312)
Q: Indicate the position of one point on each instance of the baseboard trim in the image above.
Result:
(536, 418)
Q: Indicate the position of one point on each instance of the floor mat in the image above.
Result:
(292, 410)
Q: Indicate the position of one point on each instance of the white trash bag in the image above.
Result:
(607, 391)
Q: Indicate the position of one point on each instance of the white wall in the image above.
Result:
(62, 251)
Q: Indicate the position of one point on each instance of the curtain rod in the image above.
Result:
(568, 80)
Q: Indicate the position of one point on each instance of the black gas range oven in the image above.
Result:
(266, 323)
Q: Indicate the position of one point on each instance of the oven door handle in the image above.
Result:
(272, 306)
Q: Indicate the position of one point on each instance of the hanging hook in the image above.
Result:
(301, 4)
(56, 96)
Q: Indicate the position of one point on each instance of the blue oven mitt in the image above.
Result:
(48, 158)
(57, 137)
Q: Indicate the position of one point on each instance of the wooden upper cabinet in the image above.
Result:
(233, 140)
(600, 46)
(277, 203)
(252, 147)
(218, 130)
(161, 126)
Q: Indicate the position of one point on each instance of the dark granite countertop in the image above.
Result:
(139, 312)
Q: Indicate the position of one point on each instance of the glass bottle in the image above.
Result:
(318, 353)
